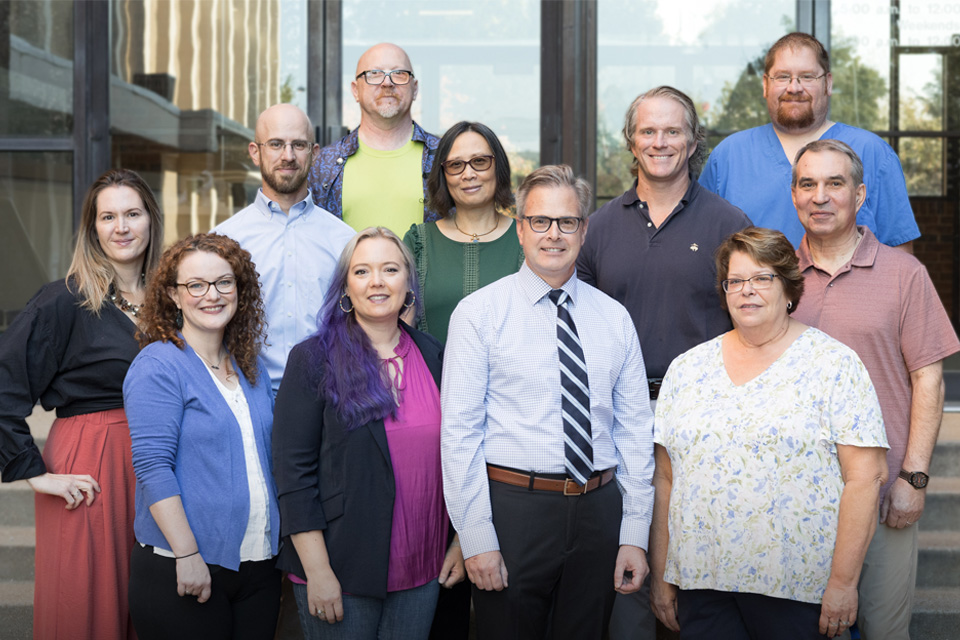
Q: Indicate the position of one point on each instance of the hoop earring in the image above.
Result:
(790, 305)
(348, 299)
(179, 319)
(412, 297)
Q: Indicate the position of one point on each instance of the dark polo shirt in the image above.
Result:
(665, 277)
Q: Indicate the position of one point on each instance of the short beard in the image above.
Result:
(801, 121)
(286, 186)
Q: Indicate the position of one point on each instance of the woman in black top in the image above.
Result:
(70, 349)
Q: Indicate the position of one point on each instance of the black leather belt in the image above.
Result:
(654, 385)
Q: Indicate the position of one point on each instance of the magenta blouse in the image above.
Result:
(419, 533)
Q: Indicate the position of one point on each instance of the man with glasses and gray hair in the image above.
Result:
(751, 168)
(882, 304)
(652, 250)
(543, 407)
(390, 155)
(294, 243)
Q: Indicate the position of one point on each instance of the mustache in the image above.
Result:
(794, 99)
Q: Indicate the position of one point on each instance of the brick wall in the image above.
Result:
(937, 247)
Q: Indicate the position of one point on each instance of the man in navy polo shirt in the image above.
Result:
(651, 249)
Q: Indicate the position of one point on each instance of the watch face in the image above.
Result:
(919, 479)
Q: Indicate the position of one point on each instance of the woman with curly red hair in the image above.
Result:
(200, 408)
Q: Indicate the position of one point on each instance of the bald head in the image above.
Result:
(383, 56)
(287, 118)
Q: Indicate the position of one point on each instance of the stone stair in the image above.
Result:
(936, 603)
(17, 544)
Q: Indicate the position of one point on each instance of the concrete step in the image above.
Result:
(16, 610)
(936, 614)
(946, 459)
(16, 504)
(938, 564)
(942, 510)
(16, 553)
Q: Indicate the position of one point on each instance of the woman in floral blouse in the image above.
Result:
(770, 457)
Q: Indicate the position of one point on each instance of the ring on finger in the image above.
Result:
(321, 614)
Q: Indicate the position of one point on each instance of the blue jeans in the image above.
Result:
(402, 615)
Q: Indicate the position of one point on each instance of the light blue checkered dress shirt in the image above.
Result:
(501, 399)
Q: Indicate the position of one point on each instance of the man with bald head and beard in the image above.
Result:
(752, 168)
(294, 243)
(390, 155)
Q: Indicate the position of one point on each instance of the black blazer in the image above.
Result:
(333, 480)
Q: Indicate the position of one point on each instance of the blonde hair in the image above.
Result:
(91, 273)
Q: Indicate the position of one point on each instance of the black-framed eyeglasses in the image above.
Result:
(456, 167)
(542, 224)
(785, 79)
(277, 146)
(759, 282)
(376, 76)
(199, 288)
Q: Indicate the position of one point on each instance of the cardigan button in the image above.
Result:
(339, 160)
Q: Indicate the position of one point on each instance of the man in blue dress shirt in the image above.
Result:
(294, 243)
(546, 535)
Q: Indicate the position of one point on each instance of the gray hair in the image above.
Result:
(555, 175)
(817, 146)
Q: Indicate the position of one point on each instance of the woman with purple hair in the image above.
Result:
(356, 447)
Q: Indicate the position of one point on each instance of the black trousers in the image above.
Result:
(560, 553)
(243, 604)
(705, 614)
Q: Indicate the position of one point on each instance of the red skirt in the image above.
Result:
(83, 556)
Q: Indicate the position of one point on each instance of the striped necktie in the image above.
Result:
(575, 394)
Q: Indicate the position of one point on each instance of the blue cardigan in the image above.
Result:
(187, 442)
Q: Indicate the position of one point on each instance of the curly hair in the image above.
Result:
(244, 334)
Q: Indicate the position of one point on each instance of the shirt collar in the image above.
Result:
(863, 256)
(630, 197)
(268, 207)
(535, 289)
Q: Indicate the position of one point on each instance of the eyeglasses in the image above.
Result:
(199, 288)
(542, 224)
(785, 79)
(376, 76)
(278, 146)
(759, 282)
(456, 167)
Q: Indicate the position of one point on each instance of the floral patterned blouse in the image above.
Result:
(756, 479)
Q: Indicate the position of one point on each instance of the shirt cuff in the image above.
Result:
(478, 539)
(633, 531)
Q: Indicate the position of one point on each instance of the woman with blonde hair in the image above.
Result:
(70, 349)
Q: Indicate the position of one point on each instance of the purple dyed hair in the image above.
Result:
(353, 378)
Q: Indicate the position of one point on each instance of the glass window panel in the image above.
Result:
(189, 80)
(35, 215)
(860, 63)
(36, 68)
(922, 160)
(921, 92)
(712, 50)
(474, 61)
(925, 23)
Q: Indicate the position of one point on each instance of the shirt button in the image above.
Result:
(289, 284)
(340, 160)
(289, 253)
(649, 224)
(289, 315)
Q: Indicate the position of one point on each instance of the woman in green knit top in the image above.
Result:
(475, 242)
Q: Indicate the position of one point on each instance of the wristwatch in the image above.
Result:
(917, 479)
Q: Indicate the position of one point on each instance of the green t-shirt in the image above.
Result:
(384, 188)
(449, 270)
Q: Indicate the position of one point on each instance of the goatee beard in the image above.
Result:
(800, 121)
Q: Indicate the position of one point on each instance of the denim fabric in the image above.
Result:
(403, 615)
(326, 174)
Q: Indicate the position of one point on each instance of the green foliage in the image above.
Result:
(286, 90)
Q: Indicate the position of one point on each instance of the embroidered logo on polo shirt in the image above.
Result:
(694, 247)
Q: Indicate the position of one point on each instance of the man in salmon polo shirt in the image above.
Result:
(389, 154)
(881, 303)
